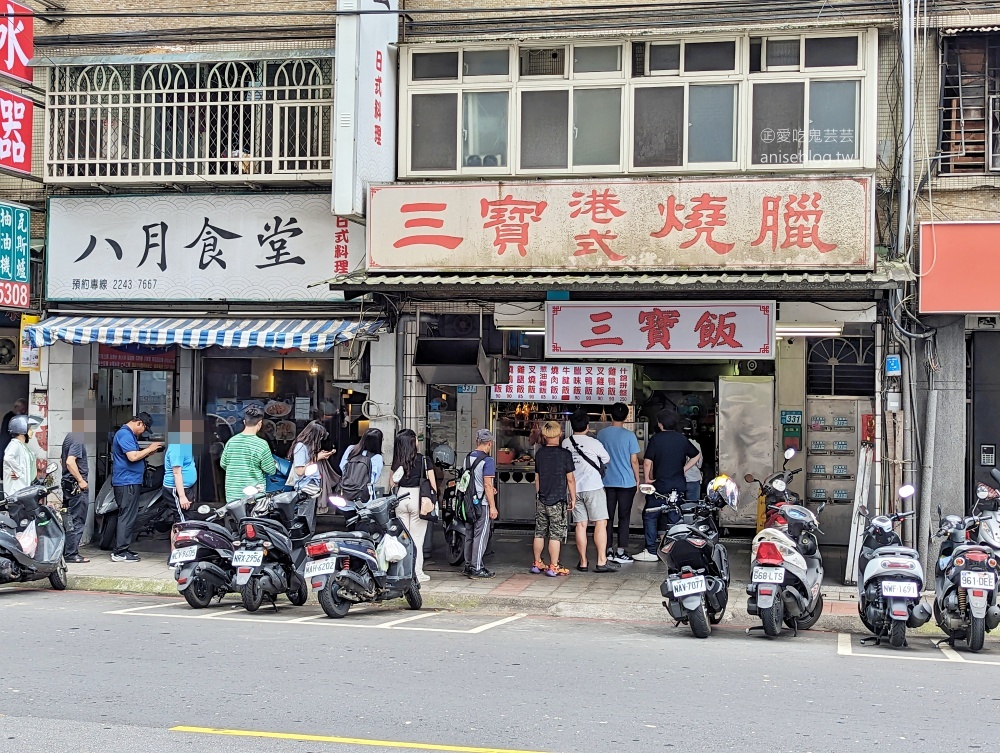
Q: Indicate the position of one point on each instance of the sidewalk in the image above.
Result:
(633, 593)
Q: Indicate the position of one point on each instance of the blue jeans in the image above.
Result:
(693, 491)
(651, 519)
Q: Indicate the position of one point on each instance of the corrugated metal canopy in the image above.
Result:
(178, 55)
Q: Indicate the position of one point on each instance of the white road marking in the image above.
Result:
(951, 653)
(411, 618)
(846, 648)
(498, 623)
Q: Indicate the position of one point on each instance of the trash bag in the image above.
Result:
(383, 563)
(28, 539)
(393, 549)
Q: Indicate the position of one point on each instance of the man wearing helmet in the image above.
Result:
(19, 468)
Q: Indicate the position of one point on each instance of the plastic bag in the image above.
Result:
(383, 564)
(393, 549)
(28, 539)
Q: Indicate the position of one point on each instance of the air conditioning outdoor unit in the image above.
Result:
(9, 349)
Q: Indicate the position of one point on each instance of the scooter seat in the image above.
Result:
(896, 551)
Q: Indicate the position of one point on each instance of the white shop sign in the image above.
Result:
(567, 383)
(660, 329)
(198, 248)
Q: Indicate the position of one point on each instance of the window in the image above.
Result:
(970, 104)
(184, 122)
(703, 102)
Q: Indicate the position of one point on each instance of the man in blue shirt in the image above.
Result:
(128, 467)
(622, 479)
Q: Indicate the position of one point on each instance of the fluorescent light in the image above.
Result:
(832, 329)
(534, 332)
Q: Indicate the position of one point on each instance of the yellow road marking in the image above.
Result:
(343, 740)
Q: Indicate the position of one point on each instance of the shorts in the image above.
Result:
(550, 521)
(171, 494)
(590, 506)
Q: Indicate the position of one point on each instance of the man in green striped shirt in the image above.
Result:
(247, 459)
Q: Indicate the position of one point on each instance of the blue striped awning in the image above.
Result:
(310, 335)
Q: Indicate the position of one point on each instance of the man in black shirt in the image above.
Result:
(556, 488)
(668, 456)
(75, 484)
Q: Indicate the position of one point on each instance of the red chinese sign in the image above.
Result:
(16, 118)
(739, 223)
(696, 331)
(567, 383)
(17, 43)
(137, 357)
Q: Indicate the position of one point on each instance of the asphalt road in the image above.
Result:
(97, 673)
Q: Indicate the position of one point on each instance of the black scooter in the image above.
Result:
(18, 512)
(268, 558)
(156, 513)
(203, 552)
(345, 567)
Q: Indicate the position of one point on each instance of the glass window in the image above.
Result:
(833, 119)
(664, 57)
(486, 62)
(431, 66)
(597, 59)
(433, 123)
(658, 127)
(756, 43)
(776, 124)
(484, 132)
(597, 126)
(831, 52)
(549, 61)
(709, 56)
(712, 123)
(545, 129)
(783, 53)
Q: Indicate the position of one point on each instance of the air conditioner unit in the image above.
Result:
(982, 322)
(9, 349)
(344, 370)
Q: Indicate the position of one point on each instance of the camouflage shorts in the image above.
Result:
(551, 521)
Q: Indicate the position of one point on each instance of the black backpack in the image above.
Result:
(354, 484)
(466, 508)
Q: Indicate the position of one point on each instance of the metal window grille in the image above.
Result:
(969, 128)
(176, 123)
(841, 366)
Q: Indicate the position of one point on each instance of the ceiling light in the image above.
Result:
(831, 329)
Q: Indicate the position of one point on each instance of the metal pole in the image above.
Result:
(906, 157)
(927, 474)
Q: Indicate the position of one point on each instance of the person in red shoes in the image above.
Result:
(556, 490)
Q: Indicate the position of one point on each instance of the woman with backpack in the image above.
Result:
(361, 467)
(415, 470)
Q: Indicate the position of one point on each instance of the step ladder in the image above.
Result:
(865, 463)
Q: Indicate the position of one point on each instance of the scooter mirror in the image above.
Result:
(204, 509)
(940, 512)
(822, 506)
(249, 491)
(397, 475)
(51, 467)
(789, 453)
(749, 478)
(905, 492)
(339, 502)
(312, 469)
(863, 511)
(647, 488)
(982, 492)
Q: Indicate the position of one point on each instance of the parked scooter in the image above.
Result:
(890, 579)
(270, 554)
(351, 567)
(203, 552)
(697, 585)
(965, 589)
(156, 513)
(32, 539)
(454, 529)
(775, 494)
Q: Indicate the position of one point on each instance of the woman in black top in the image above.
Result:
(415, 470)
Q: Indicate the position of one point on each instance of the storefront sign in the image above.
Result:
(198, 248)
(956, 264)
(661, 330)
(364, 102)
(737, 223)
(29, 358)
(567, 383)
(16, 128)
(17, 43)
(15, 255)
(137, 357)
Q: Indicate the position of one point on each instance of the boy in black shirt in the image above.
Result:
(556, 488)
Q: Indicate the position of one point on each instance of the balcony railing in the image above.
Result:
(259, 121)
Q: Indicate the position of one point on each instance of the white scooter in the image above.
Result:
(891, 579)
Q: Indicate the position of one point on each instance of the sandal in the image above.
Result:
(583, 568)
(555, 571)
(538, 568)
(77, 560)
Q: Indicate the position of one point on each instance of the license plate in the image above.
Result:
(907, 589)
(768, 575)
(685, 586)
(252, 557)
(321, 567)
(186, 554)
(970, 579)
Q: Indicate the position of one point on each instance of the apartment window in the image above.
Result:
(970, 104)
(742, 103)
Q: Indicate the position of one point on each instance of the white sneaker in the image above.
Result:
(423, 577)
(645, 556)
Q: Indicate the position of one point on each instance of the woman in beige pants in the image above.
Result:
(415, 469)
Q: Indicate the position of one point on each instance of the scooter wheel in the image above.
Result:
(976, 636)
(58, 578)
(897, 633)
(456, 548)
(698, 620)
(414, 600)
(253, 594)
(109, 529)
(298, 594)
(772, 617)
(334, 605)
(198, 594)
(809, 619)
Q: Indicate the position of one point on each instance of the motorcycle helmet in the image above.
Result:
(20, 424)
(444, 455)
(722, 491)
